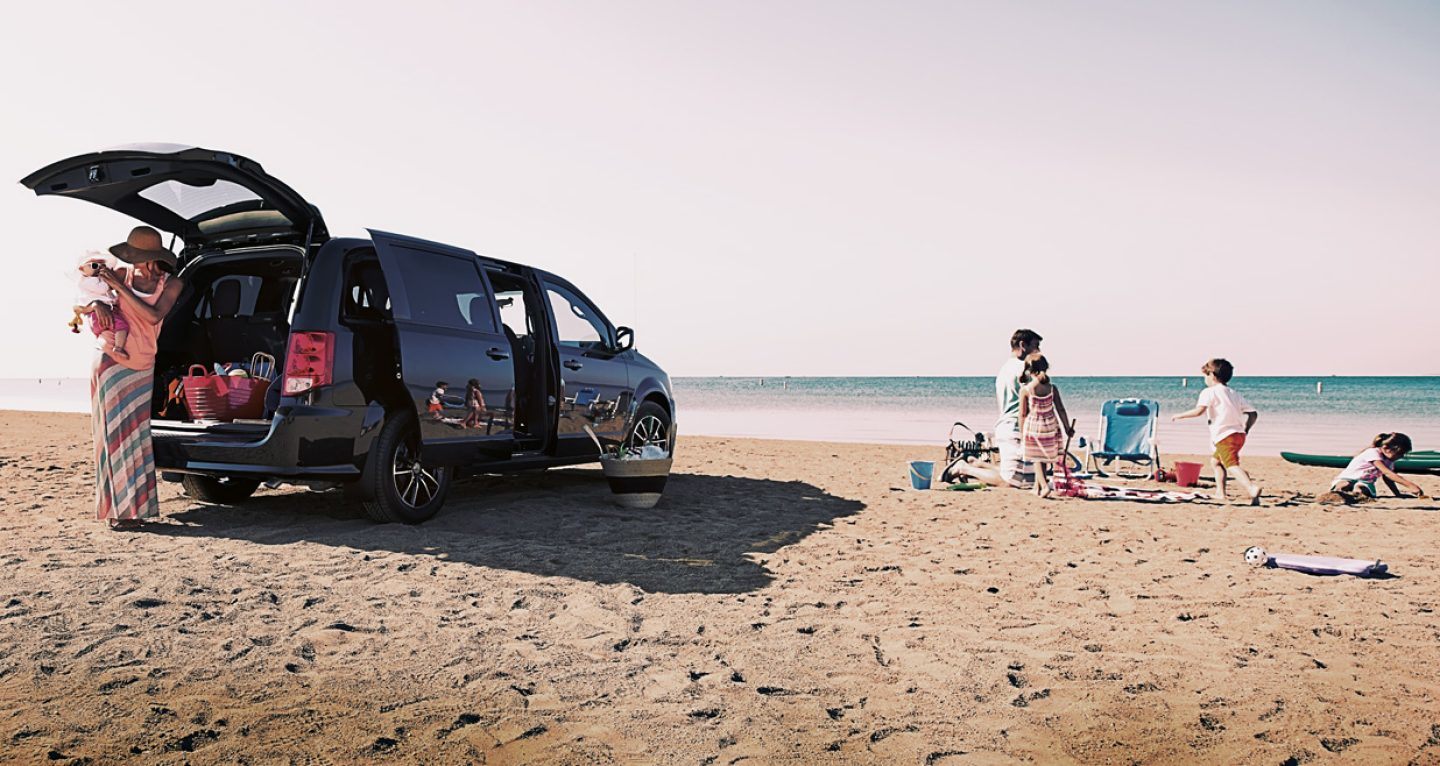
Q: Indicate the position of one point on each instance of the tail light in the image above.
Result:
(309, 362)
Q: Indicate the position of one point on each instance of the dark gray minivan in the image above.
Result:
(364, 331)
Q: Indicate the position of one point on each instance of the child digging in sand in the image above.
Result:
(1231, 418)
(1357, 481)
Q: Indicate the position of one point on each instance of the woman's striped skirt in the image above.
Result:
(124, 457)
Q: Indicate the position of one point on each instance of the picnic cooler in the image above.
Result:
(212, 396)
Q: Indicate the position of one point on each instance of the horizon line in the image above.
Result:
(918, 375)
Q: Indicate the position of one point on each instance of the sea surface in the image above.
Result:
(1339, 417)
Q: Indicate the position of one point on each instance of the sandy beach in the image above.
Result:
(786, 602)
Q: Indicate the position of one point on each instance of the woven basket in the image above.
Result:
(636, 483)
(206, 394)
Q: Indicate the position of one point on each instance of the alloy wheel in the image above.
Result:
(648, 430)
(415, 485)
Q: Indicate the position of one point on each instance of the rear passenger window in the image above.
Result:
(366, 295)
(444, 291)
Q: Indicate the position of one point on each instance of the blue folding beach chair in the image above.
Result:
(1127, 435)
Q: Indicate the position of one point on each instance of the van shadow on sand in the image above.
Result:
(700, 538)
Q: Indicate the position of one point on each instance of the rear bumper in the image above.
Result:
(302, 442)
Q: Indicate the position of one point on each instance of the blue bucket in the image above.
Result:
(921, 471)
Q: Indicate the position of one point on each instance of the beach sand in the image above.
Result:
(787, 601)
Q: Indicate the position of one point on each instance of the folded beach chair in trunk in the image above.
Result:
(1127, 435)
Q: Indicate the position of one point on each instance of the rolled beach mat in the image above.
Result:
(636, 483)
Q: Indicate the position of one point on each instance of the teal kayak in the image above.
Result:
(1415, 462)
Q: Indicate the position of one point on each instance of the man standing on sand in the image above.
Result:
(1023, 343)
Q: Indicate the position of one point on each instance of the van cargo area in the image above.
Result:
(235, 304)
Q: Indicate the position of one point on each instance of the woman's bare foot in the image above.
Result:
(126, 524)
(1255, 496)
(1219, 498)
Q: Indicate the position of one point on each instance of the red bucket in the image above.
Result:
(1187, 473)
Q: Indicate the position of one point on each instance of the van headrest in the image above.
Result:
(225, 298)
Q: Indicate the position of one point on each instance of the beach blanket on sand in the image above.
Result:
(1067, 486)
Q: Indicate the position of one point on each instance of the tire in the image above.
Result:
(397, 486)
(651, 425)
(218, 490)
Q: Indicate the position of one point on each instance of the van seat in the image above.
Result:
(235, 338)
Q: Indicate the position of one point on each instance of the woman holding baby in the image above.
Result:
(121, 384)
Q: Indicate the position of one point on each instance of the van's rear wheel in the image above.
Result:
(651, 426)
(398, 484)
(218, 490)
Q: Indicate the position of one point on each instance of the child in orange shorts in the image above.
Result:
(436, 405)
(1231, 418)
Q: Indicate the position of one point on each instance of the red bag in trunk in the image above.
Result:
(205, 394)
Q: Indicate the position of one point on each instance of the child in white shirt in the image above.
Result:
(1378, 462)
(436, 405)
(1231, 418)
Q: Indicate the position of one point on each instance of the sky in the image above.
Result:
(804, 188)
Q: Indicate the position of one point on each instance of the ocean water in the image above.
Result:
(45, 394)
(1294, 416)
(1340, 418)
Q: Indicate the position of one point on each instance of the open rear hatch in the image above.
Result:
(208, 198)
(214, 201)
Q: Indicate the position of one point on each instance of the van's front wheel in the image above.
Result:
(398, 484)
(651, 426)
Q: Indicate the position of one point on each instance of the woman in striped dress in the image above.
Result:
(121, 389)
(1043, 423)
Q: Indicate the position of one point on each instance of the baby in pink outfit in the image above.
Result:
(92, 290)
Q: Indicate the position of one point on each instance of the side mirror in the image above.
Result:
(624, 338)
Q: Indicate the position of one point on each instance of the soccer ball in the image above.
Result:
(1255, 556)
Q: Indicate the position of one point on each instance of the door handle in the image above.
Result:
(572, 364)
(497, 354)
